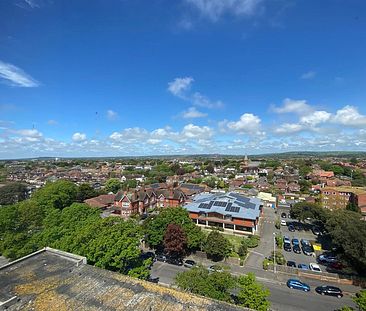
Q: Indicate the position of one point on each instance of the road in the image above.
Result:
(282, 298)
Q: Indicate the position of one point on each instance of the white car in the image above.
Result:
(283, 222)
(315, 267)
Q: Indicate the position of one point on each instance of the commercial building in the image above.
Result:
(231, 211)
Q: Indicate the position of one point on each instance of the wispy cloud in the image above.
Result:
(32, 3)
(180, 87)
(78, 137)
(214, 9)
(112, 115)
(308, 75)
(52, 122)
(16, 76)
(192, 113)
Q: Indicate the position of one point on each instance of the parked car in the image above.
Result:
(308, 250)
(305, 243)
(291, 228)
(298, 226)
(286, 239)
(316, 230)
(215, 268)
(297, 284)
(329, 290)
(283, 222)
(287, 247)
(174, 261)
(189, 263)
(327, 258)
(147, 255)
(296, 249)
(153, 280)
(315, 267)
(283, 215)
(161, 258)
(291, 263)
(302, 266)
(295, 241)
(337, 265)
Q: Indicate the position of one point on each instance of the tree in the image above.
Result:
(85, 191)
(217, 246)
(199, 280)
(113, 185)
(303, 210)
(210, 168)
(175, 240)
(155, 226)
(351, 206)
(13, 193)
(360, 300)
(243, 250)
(59, 194)
(252, 294)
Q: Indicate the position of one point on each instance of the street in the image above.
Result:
(282, 298)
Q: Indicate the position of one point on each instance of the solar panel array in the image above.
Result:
(206, 205)
(231, 208)
(239, 197)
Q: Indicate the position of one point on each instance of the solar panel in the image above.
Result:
(227, 209)
(233, 209)
(204, 205)
(220, 203)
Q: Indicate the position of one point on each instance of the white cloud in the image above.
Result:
(315, 118)
(308, 75)
(78, 137)
(29, 133)
(112, 115)
(192, 112)
(289, 128)
(248, 123)
(350, 116)
(52, 122)
(153, 141)
(214, 9)
(16, 76)
(293, 106)
(32, 3)
(180, 85)
(194, 131)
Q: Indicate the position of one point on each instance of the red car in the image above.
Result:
(336, 265)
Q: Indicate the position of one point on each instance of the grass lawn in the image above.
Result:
(234, 239)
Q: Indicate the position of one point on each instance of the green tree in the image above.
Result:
(217, 246)
(59, 194)
(303, 210)
(243, 250)
(84, 192)
(252, 294)
(360, 300)
(155, 226)
(13, 193)
(113, 185)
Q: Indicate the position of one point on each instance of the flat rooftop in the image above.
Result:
(55, 280)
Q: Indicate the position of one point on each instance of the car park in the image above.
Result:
(329, 291)
(291, 263)
(314, 267)
(174, 261)
(283, 222)
(287, 247)
(297, 284)
(296, 249)
(189, 263)
(302, 266)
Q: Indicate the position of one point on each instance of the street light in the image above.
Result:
(274, 252)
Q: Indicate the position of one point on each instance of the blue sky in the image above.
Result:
(119, 77)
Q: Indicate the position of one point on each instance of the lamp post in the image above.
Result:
(274, 252)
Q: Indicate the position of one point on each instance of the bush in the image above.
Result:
(278, 224)
(266, 263)
(280, 259)
(279, 240)
(243, 250)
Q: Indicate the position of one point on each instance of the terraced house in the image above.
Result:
(231, 211)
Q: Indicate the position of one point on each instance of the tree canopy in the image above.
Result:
(175, 240)
(217, 246)
(12, 193)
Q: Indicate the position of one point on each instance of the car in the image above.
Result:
(287, 247)
(161, 258)
(147, 255)
(302, 266)
(153, 280)
(296, 249)
(291, 263)
(189, 263)
(174, 261)
(337, 265)
(315, 267)
(283, 222)
(327, 258)
(316, 230)
(298, 226)
(295, 241)
(297, 284)
(291, 228)
(329, 290)
(305, 242)
(308, 250)
(283, 215)
(215, 268)
(286, 239)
